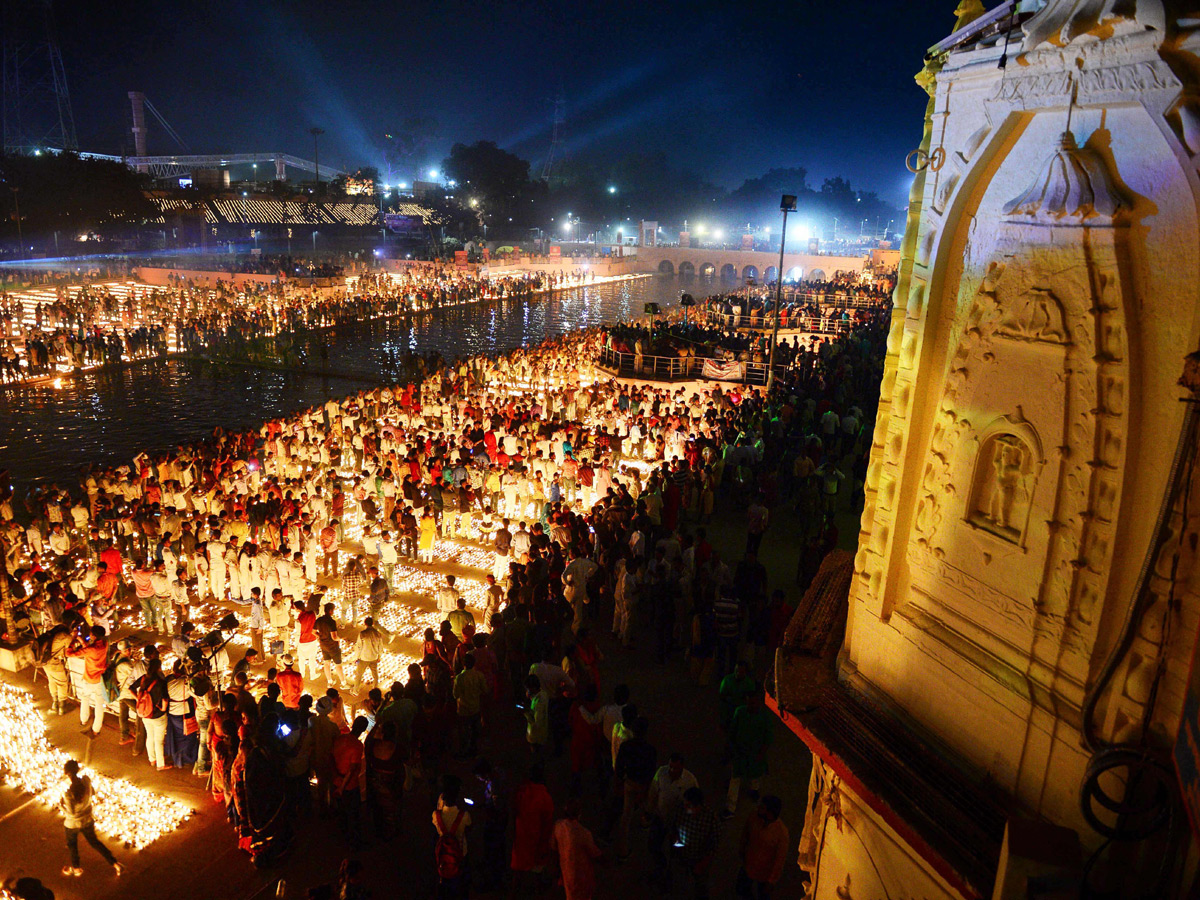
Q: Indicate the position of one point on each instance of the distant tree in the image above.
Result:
(69, 193)
(772, 185)
(497, 181)
(486, 172)
(756, 200)
(858, 212)
(406, 148)
(837, 188)
(646, 185)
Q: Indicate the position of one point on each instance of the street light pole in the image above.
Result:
(382, 221)
(17, 209)
(787, 203)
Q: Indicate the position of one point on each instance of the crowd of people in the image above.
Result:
(691, 338)
(98, 325)
(586, 503)
(822, 307)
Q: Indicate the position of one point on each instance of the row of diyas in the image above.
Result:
(132, 814)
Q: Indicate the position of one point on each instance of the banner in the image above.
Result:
(555, 250)
(460, 259)
(747, 242)
(718, 370)
(407, 226)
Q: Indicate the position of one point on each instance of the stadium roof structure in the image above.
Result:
(185, 164)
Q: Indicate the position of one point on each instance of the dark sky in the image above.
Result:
(728, 89)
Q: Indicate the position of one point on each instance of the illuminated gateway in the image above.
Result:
(996, 686)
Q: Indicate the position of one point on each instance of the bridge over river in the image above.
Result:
(738, 265)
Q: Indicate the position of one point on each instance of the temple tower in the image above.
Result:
(1022, 612)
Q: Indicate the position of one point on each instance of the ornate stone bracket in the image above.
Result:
(1061, 22)
(1073, 187)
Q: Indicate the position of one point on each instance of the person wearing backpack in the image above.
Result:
(450, 852)
(53, 660)
(151, 694)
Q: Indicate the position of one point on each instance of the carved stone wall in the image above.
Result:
(850, 853)
(1029, 403)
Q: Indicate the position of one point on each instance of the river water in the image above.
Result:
(49, 435)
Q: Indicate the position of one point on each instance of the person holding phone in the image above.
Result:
(537, 717)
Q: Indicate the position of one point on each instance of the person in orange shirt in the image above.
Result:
(93, 649)
(764, 849)
(107, 582)
(291, 683)
(143, 587)
(111, 556)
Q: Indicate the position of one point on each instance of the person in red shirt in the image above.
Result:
(534, 811)
(111, 557)
(93, 649)
(307, 645)
(291, 683)
(349, 773)
(765, 844)
(329, 550)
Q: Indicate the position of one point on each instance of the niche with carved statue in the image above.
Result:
(1002, 486)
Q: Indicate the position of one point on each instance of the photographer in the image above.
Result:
(93, 648)
(53, 645)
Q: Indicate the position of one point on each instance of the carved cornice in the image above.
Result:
(1093, 86)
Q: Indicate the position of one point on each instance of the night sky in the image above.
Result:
(728, 89)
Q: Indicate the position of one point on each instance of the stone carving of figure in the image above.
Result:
(1003, 493)
(1046, 322)
(1008, 461)
(1036, 316)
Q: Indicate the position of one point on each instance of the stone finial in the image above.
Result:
(1060, 22)
(1073, 187)
(967, 12)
